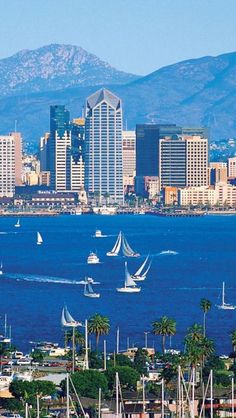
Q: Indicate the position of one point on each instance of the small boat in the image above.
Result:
(17, 225)
(67, 320)
(122, 245)
(99, 234)
(89, 292)
(93, 259)
(88, 280)
(39, 239)
(224, 305)
(130, 285)
(141, 274)
(1, 269)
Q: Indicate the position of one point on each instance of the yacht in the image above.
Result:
(93, 259)
(99, 234)
(224, 305)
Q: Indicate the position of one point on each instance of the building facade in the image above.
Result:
(103, 139)
(232, 167)
(7, 166)
(217, 173)
(196, 161)
(129, 159)
(18, 157)
(172, 161)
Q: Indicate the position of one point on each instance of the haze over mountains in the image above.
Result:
(191, 93)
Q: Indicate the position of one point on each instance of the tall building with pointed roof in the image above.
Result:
(103, 142)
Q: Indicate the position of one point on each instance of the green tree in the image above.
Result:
(88, 382)
(28, 390)
(233, 339)
(128, 377)
(98, 325)
(140, 361)
(120, 360)
(79, 337)
(164, 327)
(205, 305)
(37, 355)
(95, 360)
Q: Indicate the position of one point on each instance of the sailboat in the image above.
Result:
(225, 306)
(122, 245)
(17, 225)
(39, 239)
(67, 320)
(141, 274)
(1, 269)
(89, 292)
(130, 285)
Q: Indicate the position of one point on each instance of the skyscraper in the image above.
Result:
(103, 141)
(59, 143)
(7, 166)
(129, 159)
(18, 157)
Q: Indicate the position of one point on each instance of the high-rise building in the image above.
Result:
(59, 143)
(7, 166)
(103, 141)
(172, 161)
(217, 173)
(232, 167)
(44, 152)
(129, 159)
(18, 157)
(196, 161)
(77, 127)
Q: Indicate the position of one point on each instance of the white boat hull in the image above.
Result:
(128, 289)
(110, 254)
(226, 308)
(92, 295)
(138, 278)
(92, 262)
(1, 273)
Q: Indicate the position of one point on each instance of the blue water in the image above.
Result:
(38, 280)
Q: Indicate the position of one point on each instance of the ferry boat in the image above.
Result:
(99, 234)
(93, 258)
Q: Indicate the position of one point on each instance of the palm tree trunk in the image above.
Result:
(97, 340)
(163, 343)
(204, 324)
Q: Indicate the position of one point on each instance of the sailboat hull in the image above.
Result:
(128, 289)
(226, 307)
(92, 295)
(110, 254)
(138, 278)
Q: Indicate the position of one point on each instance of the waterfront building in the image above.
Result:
(232, 167)
(221, 194)
(77, 127)
(103, 139)
(44, 178)
(147, 186)
(7, 166)
(196, 161)
(217, 173)
(44, 152)
(172, 161)
(170, 195)
(58, 147)
(129, 159)
(18, 157)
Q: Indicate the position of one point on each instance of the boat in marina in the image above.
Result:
(224, 305)
(122, 246)
(99, 234)
(39, 239)
(89, 292)
(17, 225)
(93, 258)
(130, 285)
(143, 270)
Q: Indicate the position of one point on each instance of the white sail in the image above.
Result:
(63, 319)
(67, 320)
(68, 316)
(126, 249)
(147, 270)
(128, 279)
(17, 225)
(115, 250)
(39, 238)
(139, 271)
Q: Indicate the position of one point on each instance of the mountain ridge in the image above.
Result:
(194, 92)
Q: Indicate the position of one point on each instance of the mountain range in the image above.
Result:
(196, 92)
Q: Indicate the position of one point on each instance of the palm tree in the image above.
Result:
(98, 325)
(205, 305)
(79, 337)
(233, 339)
(165, 326)
(195, 334)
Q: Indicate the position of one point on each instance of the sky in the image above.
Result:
(137, 36)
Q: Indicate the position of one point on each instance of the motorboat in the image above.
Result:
(93, 258)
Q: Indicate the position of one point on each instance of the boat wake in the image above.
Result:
(168, 252)
(41, 279)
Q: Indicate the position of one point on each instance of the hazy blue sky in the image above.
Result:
(138, 36)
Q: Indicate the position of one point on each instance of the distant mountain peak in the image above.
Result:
(55, 67)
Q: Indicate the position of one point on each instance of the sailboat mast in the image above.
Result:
(67, 397)
(5, 326)
(117, 340)
(223, 294)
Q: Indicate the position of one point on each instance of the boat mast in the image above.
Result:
(67, 397)
(223, 294)
(117, 340)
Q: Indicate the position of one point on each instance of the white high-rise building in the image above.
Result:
(103, 141)
(196, 161)
(62, 162)
(232, 167)
(7, 166)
